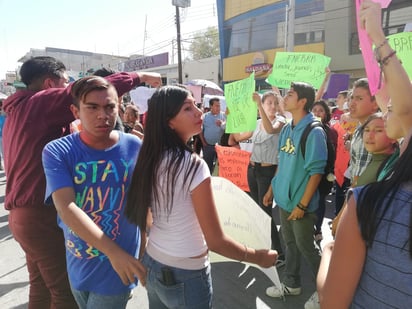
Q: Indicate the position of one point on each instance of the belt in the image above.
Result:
(261, 164)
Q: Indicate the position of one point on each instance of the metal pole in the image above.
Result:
(291, 27)
(286, 27)
(179, 51)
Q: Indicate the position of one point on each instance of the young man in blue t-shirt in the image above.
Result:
(294, 189)
(88, 174)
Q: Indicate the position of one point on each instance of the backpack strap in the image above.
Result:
(305, 135)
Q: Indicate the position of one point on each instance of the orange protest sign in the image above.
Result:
(233, 164)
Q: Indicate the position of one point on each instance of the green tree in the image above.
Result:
(205, 44)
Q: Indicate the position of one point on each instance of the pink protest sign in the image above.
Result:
(371, 66)
(384, 3)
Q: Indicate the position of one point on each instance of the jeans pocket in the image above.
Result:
(173, 296)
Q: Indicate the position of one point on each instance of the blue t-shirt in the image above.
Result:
(2, 121)
(100, 179)
(212, 132)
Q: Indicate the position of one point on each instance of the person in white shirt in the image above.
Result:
(171, 197)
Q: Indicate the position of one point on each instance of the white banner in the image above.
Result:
(243, 220)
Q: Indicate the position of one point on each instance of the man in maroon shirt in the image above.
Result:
(35, 116)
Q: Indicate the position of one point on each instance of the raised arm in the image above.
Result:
(267, 124)
(397, 81)
(322, 88)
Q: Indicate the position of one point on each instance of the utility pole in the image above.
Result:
(183, 4)
(290, 30)
(179, 48)
(144, 34)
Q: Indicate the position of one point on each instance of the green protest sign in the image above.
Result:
(242, 110)
(402, 43)
(298, 67)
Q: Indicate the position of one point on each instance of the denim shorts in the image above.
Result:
(91, 300)
(171, 287)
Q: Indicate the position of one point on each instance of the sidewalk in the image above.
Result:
(230, 289)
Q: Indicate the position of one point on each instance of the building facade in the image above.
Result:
(81, 63)
(78, 63)
(251, 32)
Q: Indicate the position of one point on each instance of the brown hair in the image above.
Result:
(82, 87)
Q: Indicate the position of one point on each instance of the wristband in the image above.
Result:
(301, 207)
(245, 256)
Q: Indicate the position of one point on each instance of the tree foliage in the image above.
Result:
(205, 44)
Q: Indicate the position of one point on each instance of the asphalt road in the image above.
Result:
(234, 287)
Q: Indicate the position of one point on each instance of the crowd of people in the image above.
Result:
(100, 200)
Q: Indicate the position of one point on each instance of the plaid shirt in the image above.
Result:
(359, 156)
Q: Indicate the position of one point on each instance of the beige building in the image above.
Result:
(81, 63)
(78, 63)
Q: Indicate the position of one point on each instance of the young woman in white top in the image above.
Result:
(171, 197)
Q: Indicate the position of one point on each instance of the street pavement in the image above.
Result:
(233, 285)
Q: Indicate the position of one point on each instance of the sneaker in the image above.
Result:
(273, 291)
(313, 302)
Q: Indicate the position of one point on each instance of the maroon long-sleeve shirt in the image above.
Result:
(33, 120)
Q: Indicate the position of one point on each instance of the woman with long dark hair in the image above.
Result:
(171, 198)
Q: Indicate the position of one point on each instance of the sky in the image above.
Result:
(100, 26)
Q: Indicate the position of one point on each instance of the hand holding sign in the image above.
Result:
(243, 111)
(363, 9)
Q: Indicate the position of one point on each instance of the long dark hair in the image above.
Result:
(160, 143)
(326, 108)
(376, 198)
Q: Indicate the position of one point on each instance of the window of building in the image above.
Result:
(265, 29)
(394, 19)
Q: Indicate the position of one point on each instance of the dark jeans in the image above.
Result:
(209, 155)
(37, 232)
(320, 213)
(340, 194)
(259, 179)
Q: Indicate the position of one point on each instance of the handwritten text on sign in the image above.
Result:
(402, 43)
(233, 164)
(243, 220)
(298, 67)
(243, 111)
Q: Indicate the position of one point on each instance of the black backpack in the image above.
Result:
(328, 177)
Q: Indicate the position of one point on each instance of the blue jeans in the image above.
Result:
(91, 300)
(188, 288)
